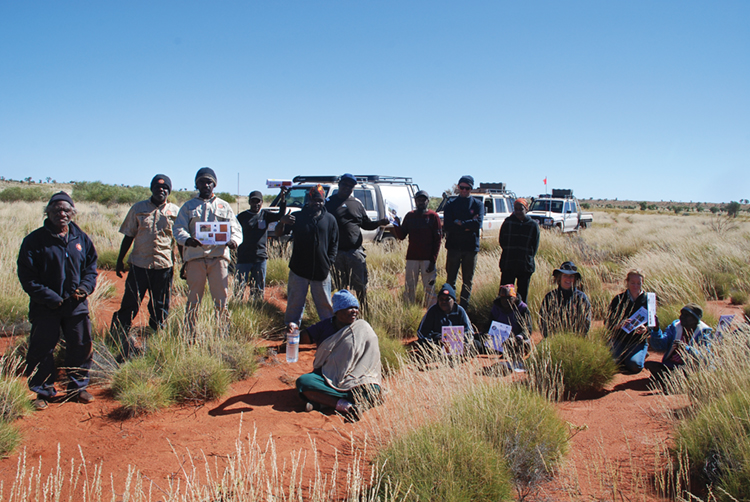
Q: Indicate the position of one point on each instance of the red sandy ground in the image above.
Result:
(618, 429)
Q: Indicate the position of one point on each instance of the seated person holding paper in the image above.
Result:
(566, 309)
(347, 371)
(445, 313)
(681, 339)
(629, 343)
(510, 310)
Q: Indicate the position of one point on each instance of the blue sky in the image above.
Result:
(635, 100)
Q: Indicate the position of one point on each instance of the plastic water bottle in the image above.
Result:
(292, 344)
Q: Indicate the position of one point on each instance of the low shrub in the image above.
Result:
(718, 284)
(717, 442)
(102, 193)
(738, 298)
(198, 376)
(583, 363)
(440, 462)
(10, 438)
(25, 194)
(519, 423)
(226, 196)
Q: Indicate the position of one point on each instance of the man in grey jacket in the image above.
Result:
(207, 261)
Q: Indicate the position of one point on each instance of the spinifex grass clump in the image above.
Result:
(140, 389)
(579, 363)
(518, 423)
(717, 442)
(14, 403)
(198, 376)
(392, 353)
(441, 462)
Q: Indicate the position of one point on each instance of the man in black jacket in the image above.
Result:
(315, 237)
(519, 238)
(57, 268)
(351, 264)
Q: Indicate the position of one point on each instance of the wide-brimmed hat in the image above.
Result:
(567, 268)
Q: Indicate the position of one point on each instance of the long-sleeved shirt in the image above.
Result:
(622, 307)
(198, 210)
(425, 233)
(316, 239)
(431, 327)
(520, 242)
(51, 268)
(463, 237)
(255, 233)
(351, 217)
(664, 340)
(518, 318)
(565, 310)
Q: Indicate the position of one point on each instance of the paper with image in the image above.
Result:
(498, 333)
(213, 233)
(651, 302)
(453, 340)
(640, 317)
(391, 211)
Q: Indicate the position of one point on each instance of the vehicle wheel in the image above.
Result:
(388, 242)
(557, 229)
(582, 225)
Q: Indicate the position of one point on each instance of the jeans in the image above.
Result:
(158, 283)
(467, 261)
(252, 275)
(631, 357)
(413, 270)
(296, 293)
(510, 277)
(350, 271)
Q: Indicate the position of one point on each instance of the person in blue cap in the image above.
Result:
(462, 225)
(350, 268)
(206, 261)
(347, 371)
(57, 269)
(148, 229)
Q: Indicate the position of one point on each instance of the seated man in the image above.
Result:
(445, 313)
(509, 309)
(679, 341)
(347, 371)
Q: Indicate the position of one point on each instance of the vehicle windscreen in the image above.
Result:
(297, 196)
(555, 206)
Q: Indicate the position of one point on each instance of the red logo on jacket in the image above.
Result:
(79, 247)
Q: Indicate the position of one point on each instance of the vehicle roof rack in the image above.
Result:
(558, 193)
(361, 178)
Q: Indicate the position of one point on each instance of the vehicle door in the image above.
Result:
(368, 198)
(571, 216)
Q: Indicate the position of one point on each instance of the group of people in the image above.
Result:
(57, 268)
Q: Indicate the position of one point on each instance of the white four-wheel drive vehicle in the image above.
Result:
(560, 211)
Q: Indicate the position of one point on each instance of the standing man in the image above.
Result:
(316, 238)
(425, 232)
(57, 269)
(148, 228)
(204, 262)
(251, 255)
(519, 238)
(351, 263)
(463, 222)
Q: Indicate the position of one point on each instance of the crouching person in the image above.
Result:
(682, 339)
(445, 313)
(508, 309)
(347, 372)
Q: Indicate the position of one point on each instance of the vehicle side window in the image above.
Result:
(488, 208)
(557, 206)
(365, 197)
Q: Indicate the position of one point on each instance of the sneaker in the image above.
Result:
(309, 407)
(40, 404)
(85, 397)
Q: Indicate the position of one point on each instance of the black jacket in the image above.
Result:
(316, 241)
(50, 270)
(351, 217)
(520, 242)
(255, 233)
(621, 308)
(470, 213)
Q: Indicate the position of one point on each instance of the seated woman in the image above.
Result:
(628, 349)
(347, 372)
(680, 340)
(567, 308)
(508, 309)
(446, 312)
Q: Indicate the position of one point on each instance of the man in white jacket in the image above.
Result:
(207, 261)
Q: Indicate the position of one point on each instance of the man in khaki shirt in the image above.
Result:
(148, 228)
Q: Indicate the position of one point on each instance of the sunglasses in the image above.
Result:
(464, 188)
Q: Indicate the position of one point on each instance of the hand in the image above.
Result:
(119, 268)
(430, 267)
(193, 243)
(384, 221)
(641, 330)
(397, 220)
(282, 194)
(288, 219)
(457, 222)
(232, 245)
(183, 272)
(79, 294)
